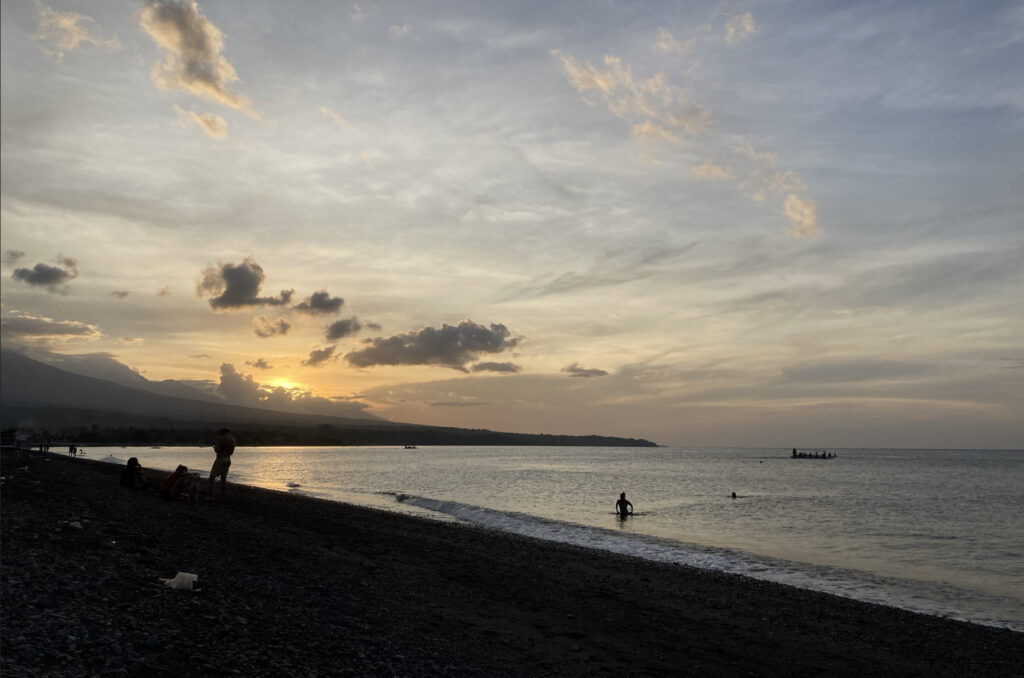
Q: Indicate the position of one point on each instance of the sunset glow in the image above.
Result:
(702, 224)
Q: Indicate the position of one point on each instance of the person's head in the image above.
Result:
(134, 461)
(622, 496)
(223, 431)
(182, 468)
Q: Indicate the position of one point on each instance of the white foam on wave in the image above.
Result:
(856, 585)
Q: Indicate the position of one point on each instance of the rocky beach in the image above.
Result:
(294, 586)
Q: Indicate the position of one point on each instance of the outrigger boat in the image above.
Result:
(823, 454)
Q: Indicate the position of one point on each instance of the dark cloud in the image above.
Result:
(319, 356)
(238, 388)
(30, 326)
(259, 364)
(265, 327)
(343, 328)
(451, 346)
(510, 368)
(238, 286)
(373, 326)
(575, 370)
(120, 294)
(321, 303)
(12, 257)
(163, 292)
(199, 355)
(194, 60)
(53, 278)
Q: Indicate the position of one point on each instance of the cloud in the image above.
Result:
(357, 14)
(343, 328)
(214, 125)
(11, 257)
(26, 326)
(507, 368)
(397, 31)
(264, 327)
(238, 388)
(120, 294)
(856, 370)
(259, 364)
(199, 355)
(739, 28)
(163, 292)
(454, 403)
(709, 170)
(450, 346)
(333, 116)
(320, 303)
(668, 44)
(575, 370)
(615, 268)
(319, 356)
(53, 278)
(131, 340)
(238, 286)
(63, 31)
(803, 213)
(194, 62)
(650, 132)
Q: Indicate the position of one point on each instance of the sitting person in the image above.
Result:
(180, 485)
(132, 476)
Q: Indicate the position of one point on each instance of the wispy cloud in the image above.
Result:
(214, 125)
(575, 370)
(27, 326)
(739, 28)
(710, 170)
(803, 213)
(63, 31)
(194, 62)
(667, 43)
(338, 120)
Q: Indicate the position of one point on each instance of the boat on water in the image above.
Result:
(815, 454)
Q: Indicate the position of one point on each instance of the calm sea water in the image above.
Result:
(936, 531)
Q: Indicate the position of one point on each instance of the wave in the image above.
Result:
(863, 586)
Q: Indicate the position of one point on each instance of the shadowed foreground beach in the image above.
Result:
(296, 586)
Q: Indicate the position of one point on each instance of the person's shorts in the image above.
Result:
(220, 467)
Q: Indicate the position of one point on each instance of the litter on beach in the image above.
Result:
(183, 581)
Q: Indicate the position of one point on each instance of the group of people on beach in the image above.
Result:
(181, 485)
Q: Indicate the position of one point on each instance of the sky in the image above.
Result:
(701, 223)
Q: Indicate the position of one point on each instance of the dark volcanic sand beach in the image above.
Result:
(293, 586)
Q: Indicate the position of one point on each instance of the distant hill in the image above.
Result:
(39, 397)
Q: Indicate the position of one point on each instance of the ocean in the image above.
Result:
(934, 531)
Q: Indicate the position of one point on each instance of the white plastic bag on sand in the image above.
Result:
(183, 581)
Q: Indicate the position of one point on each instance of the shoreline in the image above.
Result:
(296, 584)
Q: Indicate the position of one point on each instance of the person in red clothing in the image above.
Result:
(180, 485)
(224, 448)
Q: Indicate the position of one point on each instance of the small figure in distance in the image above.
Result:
(224, 448)
(623, 507)
(132, 476)
(733, 495)
(180, 485)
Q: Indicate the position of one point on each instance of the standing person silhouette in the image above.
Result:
(623, 507)
(224, 448)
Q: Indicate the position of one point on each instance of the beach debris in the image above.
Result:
(183, 581)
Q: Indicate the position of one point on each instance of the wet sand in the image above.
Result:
(292, 585)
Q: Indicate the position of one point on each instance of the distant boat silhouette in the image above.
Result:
(410, 447)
